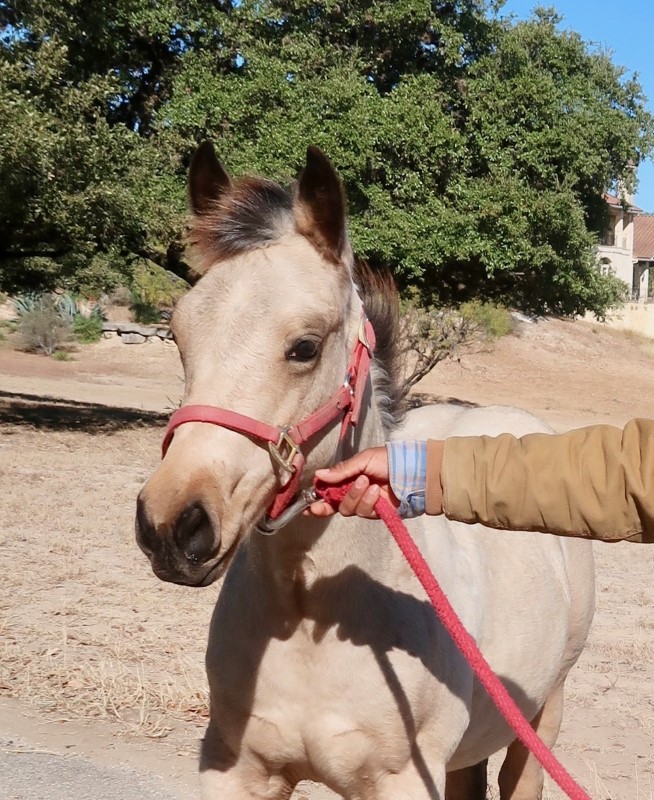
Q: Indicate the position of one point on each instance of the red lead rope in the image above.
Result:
(464, 641)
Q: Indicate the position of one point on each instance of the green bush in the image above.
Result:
(493, 321)
(146, 313)
(87, 329)
(42, 329)
(156, 287)
(62, 355)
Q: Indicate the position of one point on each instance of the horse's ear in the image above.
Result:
(320, 206)
(207, 179)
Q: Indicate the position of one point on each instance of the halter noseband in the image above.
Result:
(284, 442)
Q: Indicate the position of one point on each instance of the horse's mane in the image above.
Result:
(255, 212)
(380, 300)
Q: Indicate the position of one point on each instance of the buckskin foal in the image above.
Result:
(325, 661)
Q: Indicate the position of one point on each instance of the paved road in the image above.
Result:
(42, 758)
(26, 774)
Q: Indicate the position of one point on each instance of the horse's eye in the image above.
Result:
(304, 350)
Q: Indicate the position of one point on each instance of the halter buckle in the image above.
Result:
(284, 459)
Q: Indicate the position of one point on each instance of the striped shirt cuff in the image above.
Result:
(407, 466)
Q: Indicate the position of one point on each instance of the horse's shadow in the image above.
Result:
(359, 609)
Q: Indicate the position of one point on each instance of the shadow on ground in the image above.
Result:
(52, 413)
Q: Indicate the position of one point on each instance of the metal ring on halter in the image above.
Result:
(269, 526)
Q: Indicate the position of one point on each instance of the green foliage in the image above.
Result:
(429, 335)
(491, 320)
(67, 307)
(146, 313)
(42, 329)
(87, 329)
(154, 286)
(25, 303)
(474, 150)
(62, 355)
(154, 289)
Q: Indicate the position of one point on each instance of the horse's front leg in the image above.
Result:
(234, 784)
(417, 781)
(225, 775)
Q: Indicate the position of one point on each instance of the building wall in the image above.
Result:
(637, 317)
(621, 262)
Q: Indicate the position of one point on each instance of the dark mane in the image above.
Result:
(380, 300)
(252, 213)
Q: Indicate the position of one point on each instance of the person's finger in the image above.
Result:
(319, 509)
(344, 469)
(366, 505)
(351, 500)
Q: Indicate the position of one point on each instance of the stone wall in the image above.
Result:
(133, 333)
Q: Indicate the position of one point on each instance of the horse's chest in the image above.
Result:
(330, 708)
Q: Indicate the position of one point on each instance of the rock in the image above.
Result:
(164, 333)
(132, 338)
(134, 327)
(110, 327)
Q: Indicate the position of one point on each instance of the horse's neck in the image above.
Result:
(309, 549)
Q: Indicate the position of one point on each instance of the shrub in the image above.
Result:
(146, 313)
(156, 286)
(429, 335)
(25, 303)
(67, 307)
(62, 355)
(42, 329)
(492, 321)
(121, 296)
(88, 329)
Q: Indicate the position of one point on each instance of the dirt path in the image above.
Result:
(87, 632)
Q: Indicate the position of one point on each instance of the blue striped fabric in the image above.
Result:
(407, 466)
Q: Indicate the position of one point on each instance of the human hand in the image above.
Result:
(370, 468)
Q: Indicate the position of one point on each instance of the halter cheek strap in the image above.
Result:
(284, 442)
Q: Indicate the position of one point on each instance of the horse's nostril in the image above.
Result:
(146, 534)
(194, 534)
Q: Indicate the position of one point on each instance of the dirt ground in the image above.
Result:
(88, 632)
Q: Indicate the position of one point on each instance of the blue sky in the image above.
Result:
(625, 29)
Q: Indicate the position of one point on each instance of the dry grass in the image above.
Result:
(87, 630)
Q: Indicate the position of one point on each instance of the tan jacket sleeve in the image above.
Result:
(595, 482)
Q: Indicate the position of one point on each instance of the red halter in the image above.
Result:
(284, 442)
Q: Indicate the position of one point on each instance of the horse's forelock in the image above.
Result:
(253, 213)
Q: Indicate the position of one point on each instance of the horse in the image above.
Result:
(325, 661)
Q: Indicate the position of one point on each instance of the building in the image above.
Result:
(643, 256)
(627, 250)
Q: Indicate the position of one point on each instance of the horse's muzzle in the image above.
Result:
(183, 551)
